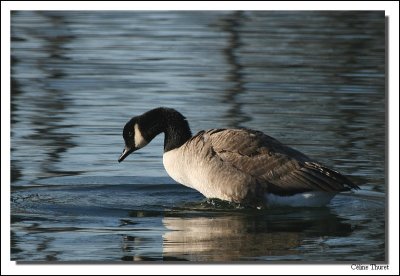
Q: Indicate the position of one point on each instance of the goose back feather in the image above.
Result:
(241, 165)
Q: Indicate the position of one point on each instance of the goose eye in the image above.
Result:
(130, 133)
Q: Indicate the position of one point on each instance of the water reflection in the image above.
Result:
(241, 236)
(47, 129)
(235, 115)
(16, 169)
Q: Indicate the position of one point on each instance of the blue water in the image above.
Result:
(313, 80)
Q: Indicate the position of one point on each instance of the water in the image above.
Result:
(313, 80)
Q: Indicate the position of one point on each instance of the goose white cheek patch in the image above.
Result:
(140, 142)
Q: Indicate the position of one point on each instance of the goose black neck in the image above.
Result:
(169, 121)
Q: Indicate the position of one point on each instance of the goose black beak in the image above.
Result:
(127, 150)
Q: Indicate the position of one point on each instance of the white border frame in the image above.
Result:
(391, 9)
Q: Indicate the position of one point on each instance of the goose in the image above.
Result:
(243, 166)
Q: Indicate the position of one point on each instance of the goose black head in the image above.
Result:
(133, 138)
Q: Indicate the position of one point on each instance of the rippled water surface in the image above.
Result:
(313, 80)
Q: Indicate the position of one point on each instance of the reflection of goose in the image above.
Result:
(240, 236)
(238, 165)
(223, 239)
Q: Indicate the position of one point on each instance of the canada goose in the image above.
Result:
(238, 165)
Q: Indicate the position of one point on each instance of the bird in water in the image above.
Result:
(238, 165)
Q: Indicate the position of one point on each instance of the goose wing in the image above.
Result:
(281, 169)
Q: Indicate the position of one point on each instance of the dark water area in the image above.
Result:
(313, 80)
